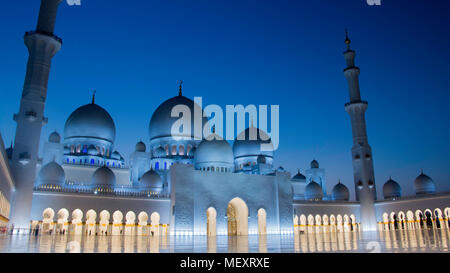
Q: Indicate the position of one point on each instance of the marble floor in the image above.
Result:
(385, 241)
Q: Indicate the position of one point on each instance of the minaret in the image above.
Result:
(42, 45)
(361, 152)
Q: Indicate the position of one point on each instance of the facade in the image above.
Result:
(194, 185)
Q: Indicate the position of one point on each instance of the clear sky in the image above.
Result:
(254, 52)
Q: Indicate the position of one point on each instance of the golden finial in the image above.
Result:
(180, 93)
(347, 40)
(93, 97)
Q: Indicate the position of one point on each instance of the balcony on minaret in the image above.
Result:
(31, 115)
(357, 102)
(29, 33)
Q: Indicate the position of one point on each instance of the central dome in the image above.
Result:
(162, 121)
(90, 121)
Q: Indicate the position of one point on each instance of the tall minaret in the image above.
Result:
(42, 45)
(361, 152)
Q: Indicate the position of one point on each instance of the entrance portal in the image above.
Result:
(237, 214)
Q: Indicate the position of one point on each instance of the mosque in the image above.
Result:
(193, 186)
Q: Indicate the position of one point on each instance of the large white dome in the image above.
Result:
(90, 121)
(161, 121)
(248, 147)
(214, 152)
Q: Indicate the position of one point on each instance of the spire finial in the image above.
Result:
(180, 93)
(93, 96)
(421, 171)
(347, 40)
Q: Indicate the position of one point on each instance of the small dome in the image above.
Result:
(313, 191)
(281, 169)
(314, 164)
(90, 121)
(140, 147)
(391, 189)
(54, 137)
(424, 184)
(261, 159)
(151, 180)
(159, 152)
(340, 192)
(103, 176)
(299, 177)
(214, 151)
(51, 174)
(116, 155)
(92, 150)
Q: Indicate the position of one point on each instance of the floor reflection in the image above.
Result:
(435, 240)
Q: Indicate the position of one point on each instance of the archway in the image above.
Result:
(386, 221)
(62, 222)
(438, 218)
(410, 219)
(142, 224)
(262, 229)
(117, 223)
(428, 218)
(332, 223)
(154, 224)
(77, 224)
(211, 215)
(318, 224)
(302, 223)
(104, 222)
(419, 218)
(401, 220)
(237, 214)
(47, 222)
(353, 222)
(130, 218)
(339, 223)
(91, 221)
(447, 217)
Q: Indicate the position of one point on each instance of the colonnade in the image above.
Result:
(325, 223)
(410, 220)
(92, 226)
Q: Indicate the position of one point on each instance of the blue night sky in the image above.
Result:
(254, 52)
